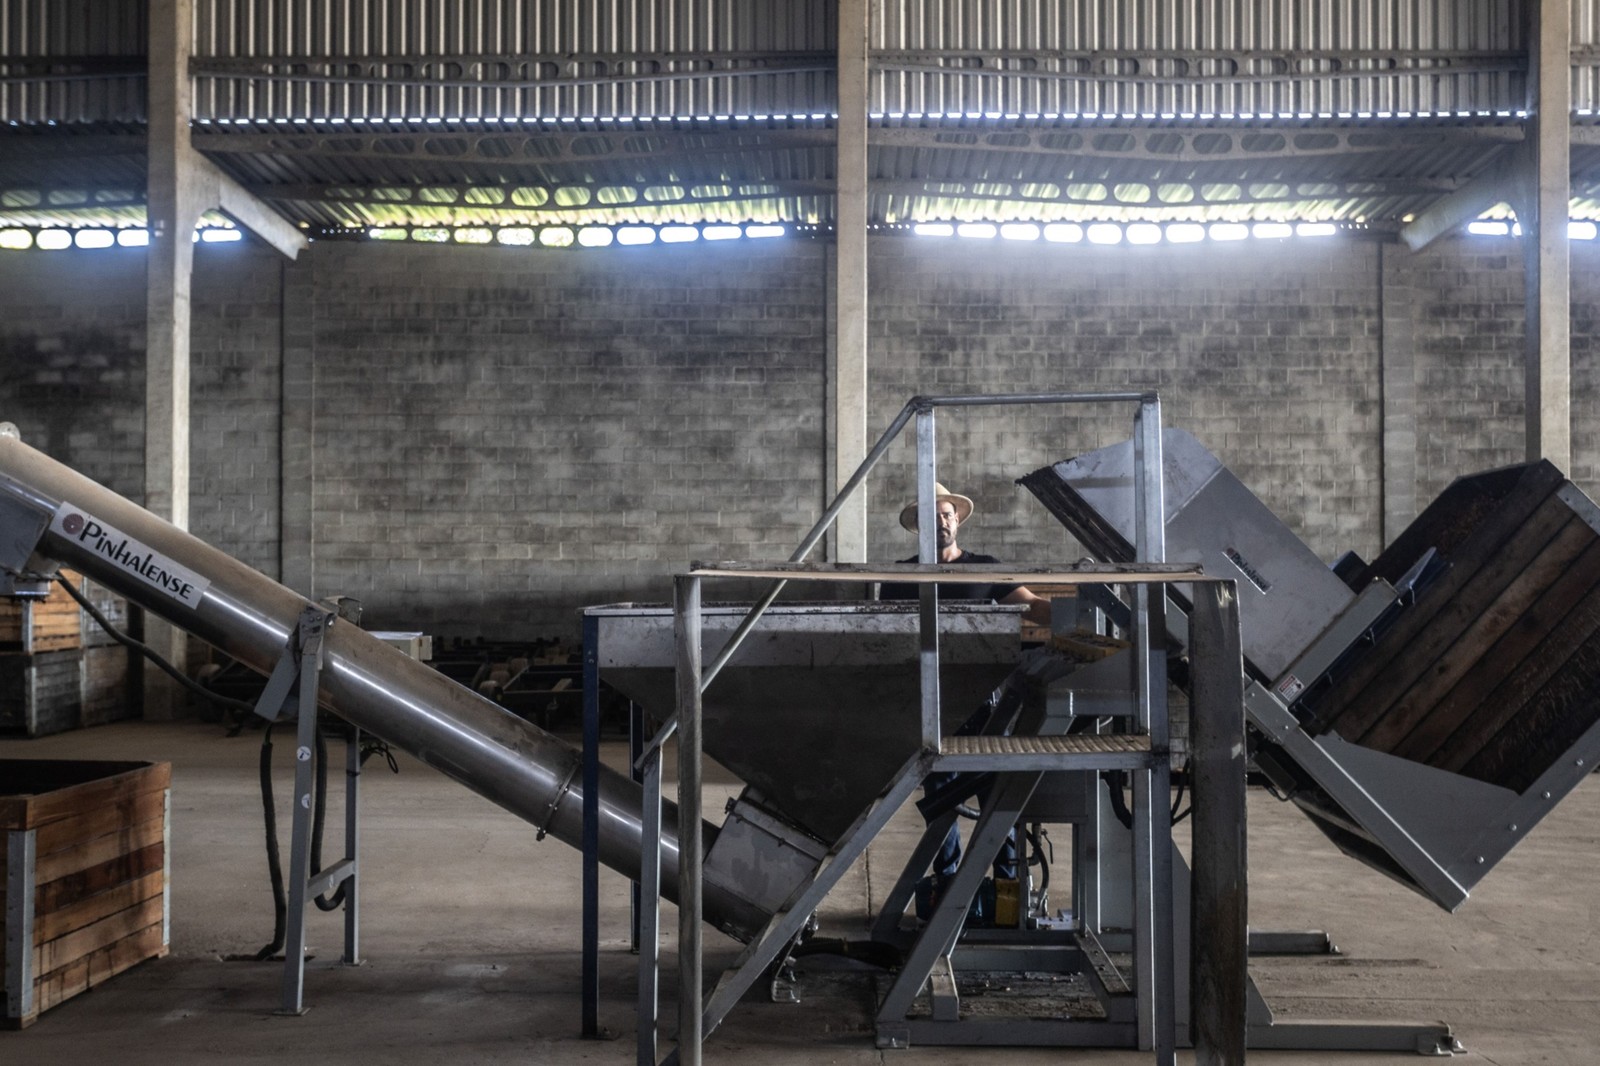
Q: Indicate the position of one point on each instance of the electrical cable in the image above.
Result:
(1177, 801)
(269, 812)
(1040, 838)
(122, 638)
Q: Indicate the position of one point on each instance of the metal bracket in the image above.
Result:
(555, 803)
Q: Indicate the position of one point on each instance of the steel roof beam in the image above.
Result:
(1191, 145)
(510, 147)
(382, 196)
(501, 148)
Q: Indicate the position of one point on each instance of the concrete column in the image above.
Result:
(849, 349)
(1398, 398)
(174, 208)
(1543, 212)
(296, 547)
(175, 201)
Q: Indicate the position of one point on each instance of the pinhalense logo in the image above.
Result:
(130, 556)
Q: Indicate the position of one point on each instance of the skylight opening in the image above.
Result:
(1104, 233)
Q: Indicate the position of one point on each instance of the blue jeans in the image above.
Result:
(949, 855)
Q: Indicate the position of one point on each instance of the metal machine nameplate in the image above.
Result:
(140, 560)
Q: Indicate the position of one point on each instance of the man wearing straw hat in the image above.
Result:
(952, 509)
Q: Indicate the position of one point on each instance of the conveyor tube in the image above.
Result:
(247, 615)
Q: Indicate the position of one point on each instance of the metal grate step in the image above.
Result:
(1076, 751)
(1064, 744)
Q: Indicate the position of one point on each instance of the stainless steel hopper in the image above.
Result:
(819, 707)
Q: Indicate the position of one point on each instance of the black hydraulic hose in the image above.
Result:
(269, 814)
(1178, 799)
(149, 653)
(319, 818)
(1039, 858)
(1114, 780)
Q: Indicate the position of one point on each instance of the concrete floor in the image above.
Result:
(470, 933)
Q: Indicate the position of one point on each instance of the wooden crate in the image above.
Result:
(1493, 673)
(49, 624)
(91, 681)
(85, 875)
(108, 685)
(41, 693)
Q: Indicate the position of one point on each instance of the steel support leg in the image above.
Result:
(590, 980)
(649, 889)
(294, 949)
(784, 925)
(887, 925)
(691, 854)
(1000, 812)
(352, 849)
(1219, 901)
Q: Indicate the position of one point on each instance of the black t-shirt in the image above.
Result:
(905, 590)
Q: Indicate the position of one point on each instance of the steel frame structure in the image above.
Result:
(1221, 999)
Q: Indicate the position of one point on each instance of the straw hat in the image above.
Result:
(963, 506)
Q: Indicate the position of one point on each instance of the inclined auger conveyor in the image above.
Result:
(51, 516)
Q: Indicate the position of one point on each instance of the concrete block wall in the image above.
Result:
(1468, 314)
(72, 359)
(1267, 353)
(480, 440)
(504, 435)
(72, 379)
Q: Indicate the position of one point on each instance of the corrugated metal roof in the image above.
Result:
(368, 112)
(930, 169)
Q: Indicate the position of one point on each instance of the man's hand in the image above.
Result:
(1038, 611)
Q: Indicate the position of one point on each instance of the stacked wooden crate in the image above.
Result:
(85, 876)
(39, 625)
(59, 669)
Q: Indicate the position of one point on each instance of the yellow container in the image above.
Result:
(1007, 903)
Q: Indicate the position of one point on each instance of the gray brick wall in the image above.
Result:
(481, 440)
(504, 435)
(1267, 353)
(72, 379)
(72, 359)
(1468, 324)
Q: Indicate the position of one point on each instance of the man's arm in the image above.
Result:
(1038, 611)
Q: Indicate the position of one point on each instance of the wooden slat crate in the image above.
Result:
(1494, 672)
(85, 876)
(90, 681)
(48, 624)
(41, 694)
(108, 685)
